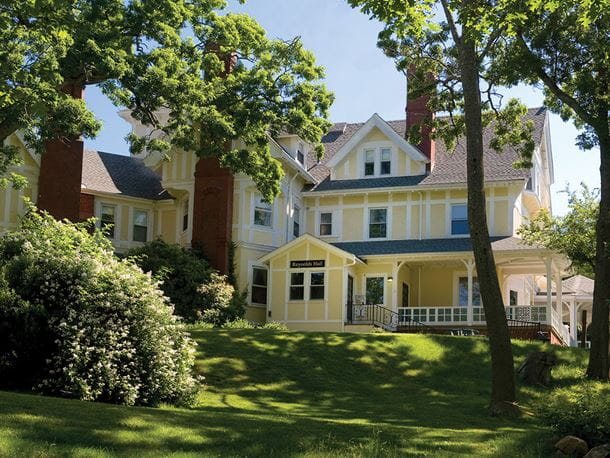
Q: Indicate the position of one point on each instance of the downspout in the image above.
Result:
(421, 213)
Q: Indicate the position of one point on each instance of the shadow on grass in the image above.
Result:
(282, 394)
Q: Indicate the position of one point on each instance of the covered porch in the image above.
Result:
(441, 290)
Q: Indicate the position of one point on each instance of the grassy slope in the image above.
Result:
(273, 393)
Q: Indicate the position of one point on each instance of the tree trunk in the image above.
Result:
(502, 364)
(598, 357)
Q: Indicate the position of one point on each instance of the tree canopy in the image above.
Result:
(158, 55)
(563, 46)
(573, 234)
(445, 48)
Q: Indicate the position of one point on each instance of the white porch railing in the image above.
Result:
(460, 316)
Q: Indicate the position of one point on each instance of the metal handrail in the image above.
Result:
(385, 318)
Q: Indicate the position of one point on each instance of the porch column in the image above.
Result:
(470, 265)
(395, 269)
(573, 323)
(549, 289)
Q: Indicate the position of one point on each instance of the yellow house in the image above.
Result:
(377, 222)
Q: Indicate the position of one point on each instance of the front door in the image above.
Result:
(350, 298)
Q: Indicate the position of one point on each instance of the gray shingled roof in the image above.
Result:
(121, 175)
(385, 182)
(449, 167)
(579, 284)
(448, 245)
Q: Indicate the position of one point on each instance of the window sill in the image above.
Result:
(258, 306)
(256, 227)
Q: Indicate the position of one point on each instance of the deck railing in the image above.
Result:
(459, 316)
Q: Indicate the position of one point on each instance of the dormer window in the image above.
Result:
(386, 161)
(377, 161)
(369, 162)
(300, 154)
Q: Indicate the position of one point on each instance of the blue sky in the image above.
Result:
(363, 79)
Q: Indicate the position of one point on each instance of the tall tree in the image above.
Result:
(444, 46)
(151, 56)
(564, 45)
(573, 234)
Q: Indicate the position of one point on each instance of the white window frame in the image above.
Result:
(323, 285)
(381, 149)
(185, 213)
(332, 223)
(296, 210)
(116, 231)
(388, 223)
(377, 147)
(251, 283)
(304, 285)
(456, 288)
(133, 224)
(300, 148)
(258, 198)
(450, 227)
(385, 286)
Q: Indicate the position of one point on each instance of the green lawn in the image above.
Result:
(302, 394)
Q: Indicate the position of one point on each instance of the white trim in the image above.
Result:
(251, 266)
(388, 223)
(310, 238)
(384, 127)
(385, 285)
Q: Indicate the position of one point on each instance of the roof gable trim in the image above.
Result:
(384, 127)
(308, 237)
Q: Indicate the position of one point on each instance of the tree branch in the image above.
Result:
(552, 85)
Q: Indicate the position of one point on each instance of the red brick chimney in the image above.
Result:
(213, 203)
(61, 168)
(416, 111)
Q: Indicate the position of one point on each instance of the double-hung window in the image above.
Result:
(297, 286)
(258, 292)
(300, 154)
(326, 223)
(262, 212)
(459, 220)
(140, 226)
(316, 285)
(385, 163)
(378, 223)
(185, 215)
(296, 221)
(107, 220)
(377, 161)
(369, 162)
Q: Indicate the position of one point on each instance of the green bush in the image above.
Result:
(276, 326)
(239, 323)
(582, 410)
(77, 322)
(197, 291)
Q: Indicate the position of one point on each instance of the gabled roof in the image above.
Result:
(121, 175)
(579, 285)
(375, 121)
(308, 237)
(449, 166)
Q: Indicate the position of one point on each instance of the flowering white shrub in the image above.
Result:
(76, 321)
